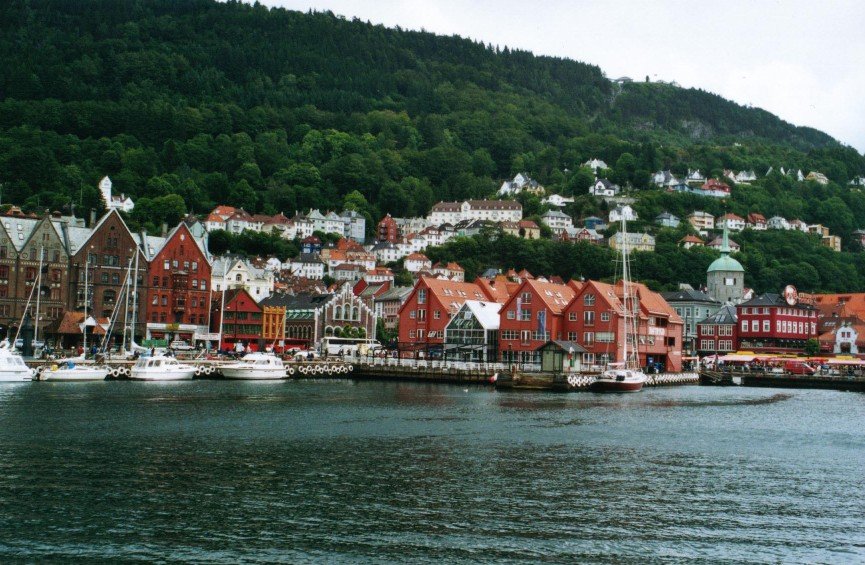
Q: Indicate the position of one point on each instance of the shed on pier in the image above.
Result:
(559, 356)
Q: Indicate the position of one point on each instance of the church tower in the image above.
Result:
(725, 277)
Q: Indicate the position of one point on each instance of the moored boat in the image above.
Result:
(161, 368)
(626, 375)
(12, 366)
(255, 366)
(69, 371)
(619, 380)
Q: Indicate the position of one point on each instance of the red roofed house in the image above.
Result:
(732, 221)
(416, 262)
(690, 241)
(532, 316)
(387, 230)
(428, 309)
(757, 221)
(595, 320)
(451, 270)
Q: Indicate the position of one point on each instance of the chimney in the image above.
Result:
(92, 218)
(163, 229)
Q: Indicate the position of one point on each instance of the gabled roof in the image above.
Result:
(555, 297)
(726, 315)
(395, 293)
(773, 299)
(486, 313)
(102, 221)
(689, 295)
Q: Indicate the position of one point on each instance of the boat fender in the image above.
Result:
(42, 368)
(572, 380)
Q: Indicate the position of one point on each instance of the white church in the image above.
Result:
(122, 202)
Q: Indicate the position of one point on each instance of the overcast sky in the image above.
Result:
(801, 60)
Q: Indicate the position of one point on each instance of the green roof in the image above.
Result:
(725, 263)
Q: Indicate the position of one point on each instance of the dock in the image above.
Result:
(853, 383)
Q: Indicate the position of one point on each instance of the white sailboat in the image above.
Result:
(71, 370)
(624, 376)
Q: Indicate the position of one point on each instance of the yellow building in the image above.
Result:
(273, 323)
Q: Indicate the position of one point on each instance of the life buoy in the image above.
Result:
(573, 380)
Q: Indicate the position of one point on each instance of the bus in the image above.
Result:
(347, 346)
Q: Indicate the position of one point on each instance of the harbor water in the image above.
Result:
(338, 471)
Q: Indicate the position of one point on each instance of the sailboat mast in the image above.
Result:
(84, 326)
(38, 293)
(126, 305)
(625, 301)
(134, 299)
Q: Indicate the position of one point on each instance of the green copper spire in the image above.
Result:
(725, 242)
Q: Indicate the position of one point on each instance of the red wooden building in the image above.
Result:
(595, 320)
(771, 323)
(532, 316)
(243, 320)
(428, 309)
(718, 334)
(178, 301)
(387, 230)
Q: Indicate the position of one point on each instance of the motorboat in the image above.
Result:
(67, 370)
(255, 366)
(161, 368)
(12, 366)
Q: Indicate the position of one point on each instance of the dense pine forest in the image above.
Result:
(190, 103)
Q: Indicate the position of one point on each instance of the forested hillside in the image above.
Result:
(189, 103)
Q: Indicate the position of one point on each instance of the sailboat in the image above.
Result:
(69, 370)
(624, 376)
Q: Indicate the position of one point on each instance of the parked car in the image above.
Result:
(798, 368)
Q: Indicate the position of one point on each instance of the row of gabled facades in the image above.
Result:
(501, 319)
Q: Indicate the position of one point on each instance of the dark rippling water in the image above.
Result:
(211, 471)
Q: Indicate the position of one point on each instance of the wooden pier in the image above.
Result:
(782, 380)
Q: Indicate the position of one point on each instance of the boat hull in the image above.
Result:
(184, 375)
(75, 375)
(15, 376)
(603, 385)
(244, 374)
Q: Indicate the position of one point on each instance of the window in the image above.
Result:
(421, 296)
(115, 278)
(203, 284)
(421, 314)
(30, 273)
(589, 317)
(589, 300)
(195, 266)
(778, 326)
(109, 296)
(412, 334)
(412, 314)
(195, 284)
(165, 300)
(588, 338)
(511, 315)
(766, 326)
(437, 315)
(166, 265)
(4, 271)
(572, 336)
(155, 281)
(604, 337)
(104, 277)
(525, 336)
(155, 300)
(755, 325)
(509, 335)
(605, 316)
(709, 330)
(572, 316)
(526, 297)
(525, 314)
(707, 345)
